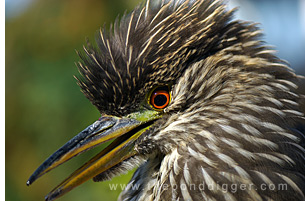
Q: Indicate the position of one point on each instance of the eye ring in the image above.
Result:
(159, 98)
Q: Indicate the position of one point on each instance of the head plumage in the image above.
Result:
(152, 46)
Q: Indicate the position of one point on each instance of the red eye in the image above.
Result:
(159, 99)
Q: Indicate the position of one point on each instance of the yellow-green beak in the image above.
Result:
(125, 131)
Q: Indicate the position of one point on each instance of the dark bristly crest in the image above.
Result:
(162, 37)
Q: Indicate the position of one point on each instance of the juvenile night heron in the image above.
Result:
(195, 100)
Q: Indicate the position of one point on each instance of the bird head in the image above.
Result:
(180, 82)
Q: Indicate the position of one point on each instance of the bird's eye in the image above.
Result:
(160, 98)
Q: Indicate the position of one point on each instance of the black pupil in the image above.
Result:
(160, 100)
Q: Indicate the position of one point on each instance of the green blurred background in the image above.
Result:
(44, 106)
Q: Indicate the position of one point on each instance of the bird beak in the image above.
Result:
(125, 131)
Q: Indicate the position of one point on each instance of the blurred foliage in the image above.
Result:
(44, 106)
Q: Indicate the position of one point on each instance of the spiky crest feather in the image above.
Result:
(151, 46)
